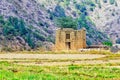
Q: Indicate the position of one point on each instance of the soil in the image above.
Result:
(50, 56)
(55, 59)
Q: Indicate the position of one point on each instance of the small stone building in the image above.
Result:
(70, 39)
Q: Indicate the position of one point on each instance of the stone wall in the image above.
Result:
(76, 41)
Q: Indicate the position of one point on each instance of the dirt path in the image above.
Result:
(69, 63)
(50, 56)
(26, 59)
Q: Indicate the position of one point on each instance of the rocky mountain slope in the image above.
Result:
(35, 18)
(100, 18)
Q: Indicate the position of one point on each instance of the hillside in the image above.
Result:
(35, 20)
(100, 18)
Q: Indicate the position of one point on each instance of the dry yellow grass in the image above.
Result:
(104, 52)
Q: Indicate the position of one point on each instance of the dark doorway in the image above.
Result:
(68, 45)
(67, 36)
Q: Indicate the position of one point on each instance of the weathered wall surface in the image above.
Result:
(77, 39)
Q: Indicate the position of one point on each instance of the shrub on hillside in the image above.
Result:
(105, 1)
(112, 1)
(107, 43)
(59, 11)
(118, 41)
(67, 22)
(16, 27)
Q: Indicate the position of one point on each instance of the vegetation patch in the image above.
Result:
(70, 72)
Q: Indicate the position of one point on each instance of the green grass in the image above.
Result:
(10, 71)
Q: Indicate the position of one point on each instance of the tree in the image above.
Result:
(30, 40)
(107, 43)
(8, 30)
(22, 28)
(84, 21)
(2, 22)
(67, 22)
(14, 22)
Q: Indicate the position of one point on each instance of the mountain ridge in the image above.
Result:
(40, 15)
